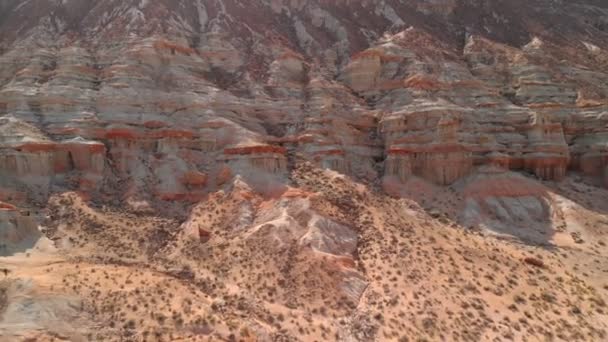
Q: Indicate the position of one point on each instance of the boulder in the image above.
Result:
(194, 178)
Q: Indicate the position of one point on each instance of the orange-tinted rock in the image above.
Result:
(363, 71)
(87, 185)
(120, 133)
(260, 149)
(181, 197)
(7, 206)
(86, 156)
(38, 162)
(594, 163)
(498, 159)
(356, 94)
(265, 158)
(442, 161)
(12, 195)
(171, 133)
(170, 47)
(29, 157)
(36, 147)
(422, 83)
(154, 124)
(336, 152)
(194, 178)
(204, 235)
(549, 155)
(441, 165)
(223, 176)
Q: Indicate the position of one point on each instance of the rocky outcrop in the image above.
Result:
(509, 204)
(18, 231)
(548, 154)
(28, 157)
(440, 159)
(236, 152)
(595, 164)
(194, 178)
(175, 101)
(80, 155)
(265, 158)
(363, 71)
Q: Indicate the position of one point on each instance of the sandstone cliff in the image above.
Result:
(311, 139)
(157, 92)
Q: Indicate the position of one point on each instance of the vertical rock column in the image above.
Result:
(442, 161)
(265, 158)
(547, 152)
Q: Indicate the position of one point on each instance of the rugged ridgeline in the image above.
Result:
(173, 98)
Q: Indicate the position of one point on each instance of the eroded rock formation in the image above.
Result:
(18, 231)
(284, 170)
(547, 154)
(174, 100)
(439, 158)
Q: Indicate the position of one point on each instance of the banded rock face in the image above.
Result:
(303, 169)
(162, 96)
(440, 159)
(19, 231)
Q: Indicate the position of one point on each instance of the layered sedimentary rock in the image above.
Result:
(440, 159)
(174, 99)
(18, 231)
(508, 203)
(548, 154)
(29, 158)
(270, 159)
(224, 169)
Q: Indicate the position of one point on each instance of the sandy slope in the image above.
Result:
(331, 260)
